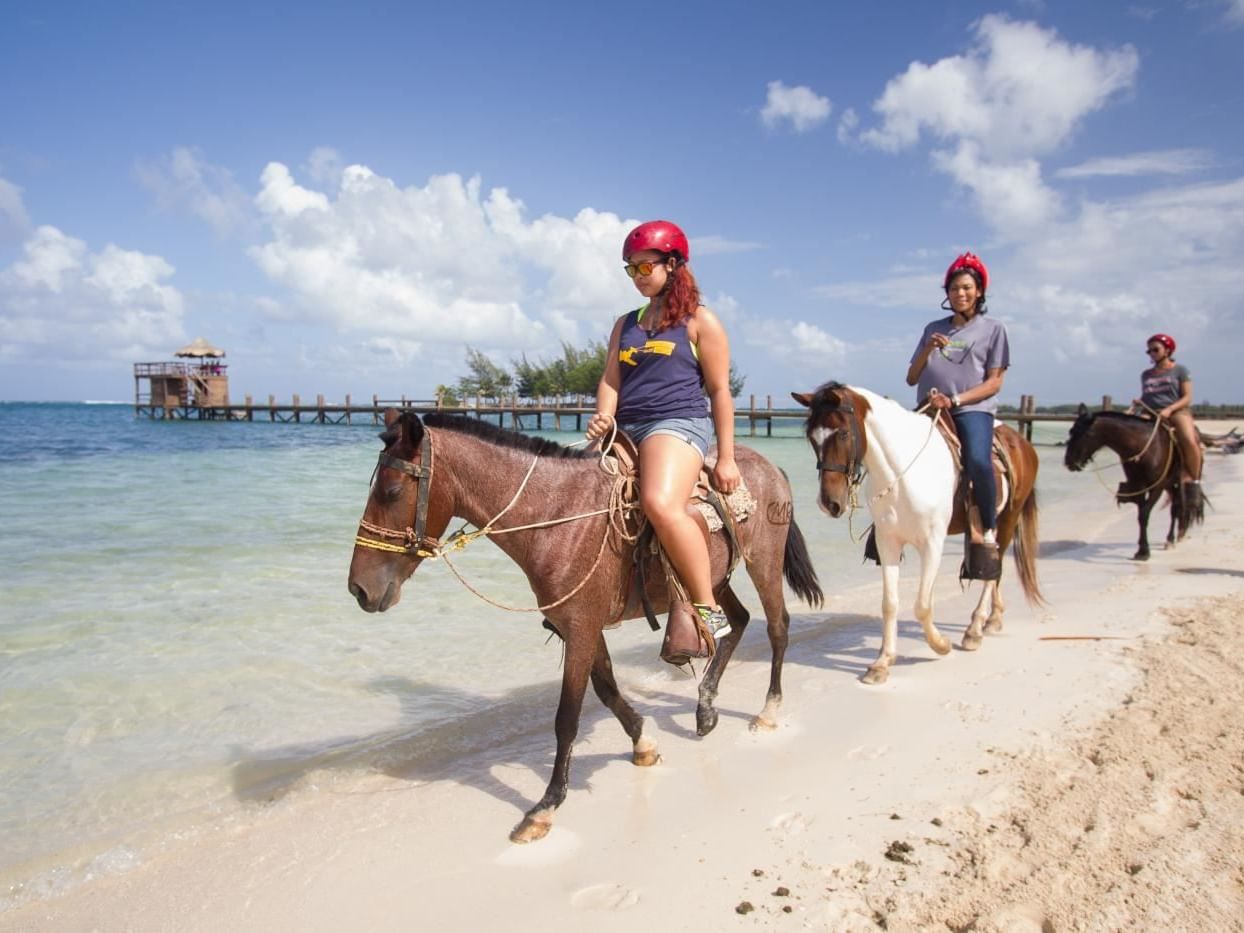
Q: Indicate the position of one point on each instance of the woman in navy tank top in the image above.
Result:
(667, 368)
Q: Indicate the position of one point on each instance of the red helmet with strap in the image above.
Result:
(660, 235)
(1165, 339)
(968, 261)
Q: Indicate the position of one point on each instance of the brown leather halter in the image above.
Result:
(853, 468)
(414, 540)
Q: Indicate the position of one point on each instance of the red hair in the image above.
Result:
(682, 297)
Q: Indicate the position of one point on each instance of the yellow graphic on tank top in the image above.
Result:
(663, 347)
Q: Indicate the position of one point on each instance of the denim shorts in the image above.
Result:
(698, 432)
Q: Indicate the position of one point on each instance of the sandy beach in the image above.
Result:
(1083, 771)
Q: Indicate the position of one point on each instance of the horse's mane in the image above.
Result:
(501, 437)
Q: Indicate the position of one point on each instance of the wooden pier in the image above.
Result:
(519, 414)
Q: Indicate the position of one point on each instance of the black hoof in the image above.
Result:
(1140, 555)
(705, 720)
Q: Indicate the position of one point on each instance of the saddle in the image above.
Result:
(686, 636)
(980, 561)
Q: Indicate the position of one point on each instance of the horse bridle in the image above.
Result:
(853, 469)
(414, 540)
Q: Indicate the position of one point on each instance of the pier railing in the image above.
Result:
(562, 414)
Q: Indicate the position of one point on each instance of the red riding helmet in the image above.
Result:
(968, 261)
(660, 235)
(1165, 339)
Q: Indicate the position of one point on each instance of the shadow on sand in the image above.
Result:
(515, 731)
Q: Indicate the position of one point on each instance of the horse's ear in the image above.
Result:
(803, 398)
(1082, 411)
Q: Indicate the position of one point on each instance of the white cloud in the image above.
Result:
(63, 302)
(1020, 91)
(1157, 162)
(442, 263)
(799, 106)
(1010, 195)
(847, 125)
(1017, 94)
(183, 179)
(325, 167)
(717, 245)
(13, 217)
(1235, 12)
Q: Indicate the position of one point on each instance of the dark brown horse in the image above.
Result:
(557, 516)
(906, 472)
(1151, 466)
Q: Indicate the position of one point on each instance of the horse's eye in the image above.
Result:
(393, 492)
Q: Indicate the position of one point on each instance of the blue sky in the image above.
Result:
(344, 196)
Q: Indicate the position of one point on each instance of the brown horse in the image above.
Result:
(558, 515)
(1151, 466)
(909, 477)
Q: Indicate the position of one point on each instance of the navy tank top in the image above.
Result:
(661, 375)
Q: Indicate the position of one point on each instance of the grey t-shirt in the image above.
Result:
(974, 349)
(1161, 387)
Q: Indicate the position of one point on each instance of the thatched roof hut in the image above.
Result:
(200, 349)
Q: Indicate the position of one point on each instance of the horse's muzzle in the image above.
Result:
(831, 506)
(392, 593)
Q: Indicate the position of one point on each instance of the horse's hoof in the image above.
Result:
(530, 830)
(762, 724)
(1140, 555)
(876, 675)
(705, 720)
(993, 626)
(940, 645)
(645, 756)
(971, 642)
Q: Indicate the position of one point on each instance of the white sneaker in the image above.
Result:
(989, 537)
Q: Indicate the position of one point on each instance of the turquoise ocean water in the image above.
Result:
(177, 642)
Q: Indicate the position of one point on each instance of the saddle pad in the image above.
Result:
(741, 504)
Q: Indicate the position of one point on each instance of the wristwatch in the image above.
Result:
(954, 400)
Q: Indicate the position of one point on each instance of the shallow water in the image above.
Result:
(176, 639)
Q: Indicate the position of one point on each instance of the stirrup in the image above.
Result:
(981, 562)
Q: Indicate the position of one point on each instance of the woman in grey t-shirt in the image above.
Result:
(959, 366)
(1166, 391)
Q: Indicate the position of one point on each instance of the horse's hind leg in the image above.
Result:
(706, 711)
(773, 601)
(993, 624)
(606, 687)
(580, 659)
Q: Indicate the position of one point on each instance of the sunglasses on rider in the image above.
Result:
(1153, 350)
(642, 268)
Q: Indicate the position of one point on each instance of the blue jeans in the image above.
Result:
(976, 435)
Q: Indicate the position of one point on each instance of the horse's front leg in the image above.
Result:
(644, 750)
(930, 562)
(580, 657)
(1143, 508)
(879, 671)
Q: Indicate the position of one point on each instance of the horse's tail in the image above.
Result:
(1191, 507)
(1026, 550)
(798, 570)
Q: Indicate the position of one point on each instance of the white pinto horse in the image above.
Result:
(908, 477)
